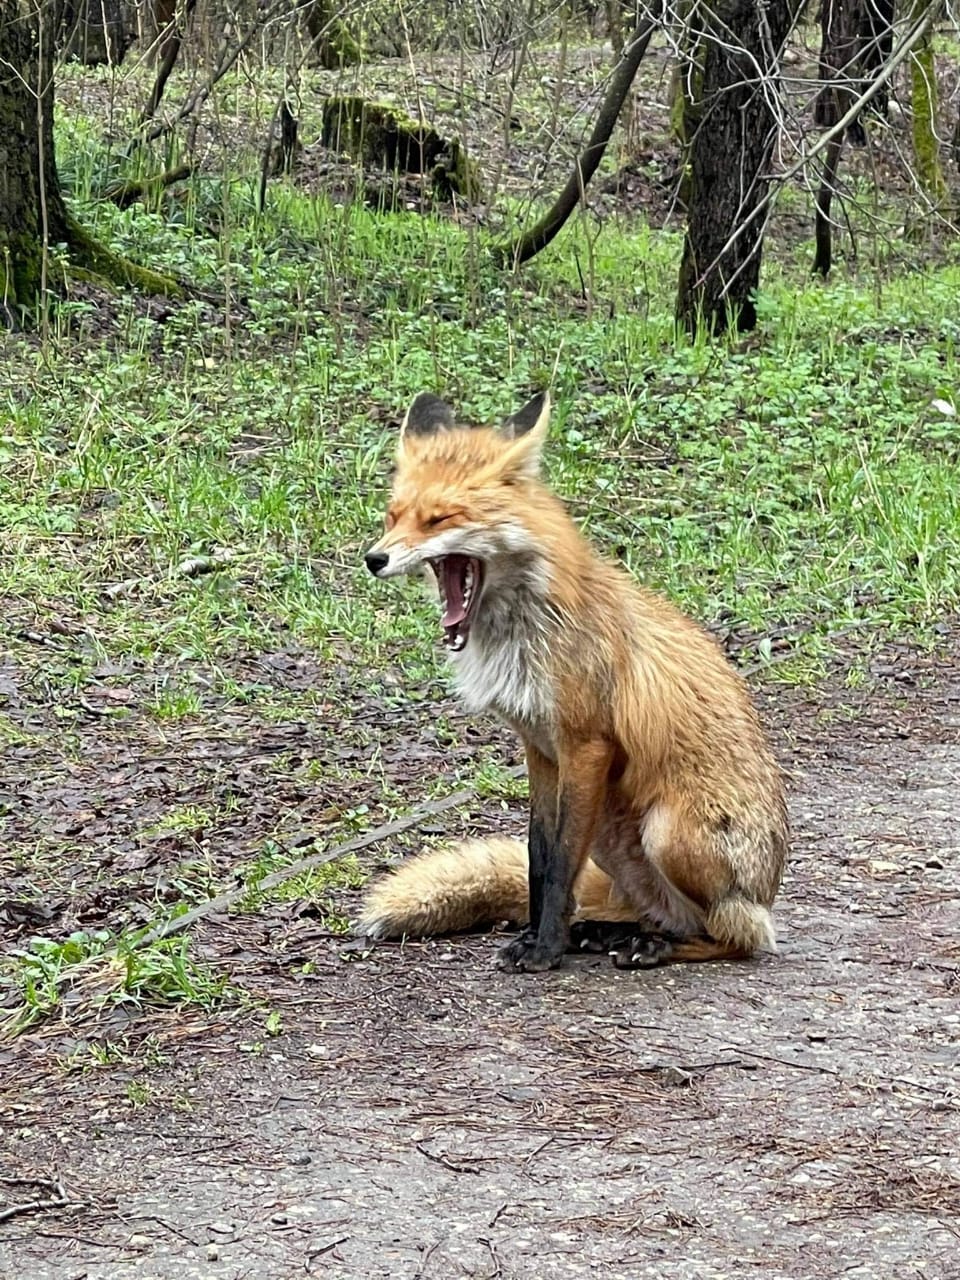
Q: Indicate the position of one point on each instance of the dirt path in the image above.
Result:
(423, 1116)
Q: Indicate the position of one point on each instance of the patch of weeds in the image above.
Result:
(187, 819)
(171, 703)
(315, 885)
(492, 780)
(804, 670)
(838, 713)
(86, 972)
(314, 770)
(857, 676)
(106, 1053)
(139, 1093)
(11, 734)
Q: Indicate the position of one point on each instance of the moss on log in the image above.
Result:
(378, 135)
(90, 255)
(926, 144)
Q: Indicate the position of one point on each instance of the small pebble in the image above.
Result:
(300, 1160)
(213, 1252)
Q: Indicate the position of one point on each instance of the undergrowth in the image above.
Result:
(804, 478)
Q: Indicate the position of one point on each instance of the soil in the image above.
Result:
(421, 1115)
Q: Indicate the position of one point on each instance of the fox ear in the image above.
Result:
(527, 429)
(426, 415)
(528, 418)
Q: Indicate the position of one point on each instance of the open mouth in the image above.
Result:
(460, 579)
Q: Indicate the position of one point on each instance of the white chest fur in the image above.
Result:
(504, 669)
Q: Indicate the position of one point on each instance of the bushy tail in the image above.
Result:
(449, 890)
(738, 929)
(743, 924)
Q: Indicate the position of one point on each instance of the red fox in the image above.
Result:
(658, 824)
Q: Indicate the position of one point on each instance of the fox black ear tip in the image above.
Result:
(426, 415)
(533, 413)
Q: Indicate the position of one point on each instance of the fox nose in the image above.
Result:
(376, 562)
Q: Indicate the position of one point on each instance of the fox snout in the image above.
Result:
(376, 561)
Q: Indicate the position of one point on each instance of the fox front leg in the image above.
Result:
(564, 806)
(543, 855)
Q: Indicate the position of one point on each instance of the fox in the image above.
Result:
(657, 829)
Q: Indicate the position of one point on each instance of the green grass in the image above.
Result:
(313, 885)
(88, 972)
(801, 478)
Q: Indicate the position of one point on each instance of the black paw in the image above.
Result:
(527, 954)
(600, 936)
(644, 951)
(628, 946)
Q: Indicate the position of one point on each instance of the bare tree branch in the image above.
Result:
(585, 166)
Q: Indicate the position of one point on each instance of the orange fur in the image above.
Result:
(649, 772)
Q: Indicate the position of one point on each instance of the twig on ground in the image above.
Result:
(57, 1202)
(422, 1269)
(445, 1161)
(378, 834)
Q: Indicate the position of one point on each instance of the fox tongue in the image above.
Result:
(453, 579)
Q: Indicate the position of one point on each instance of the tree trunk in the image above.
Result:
(686, 92)
(32, 212)
(841, 22)
(165, 21)
(33, 215)
(924, 100)
(730, 158)
(95, 32)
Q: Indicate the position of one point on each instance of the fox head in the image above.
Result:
(457, 505)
